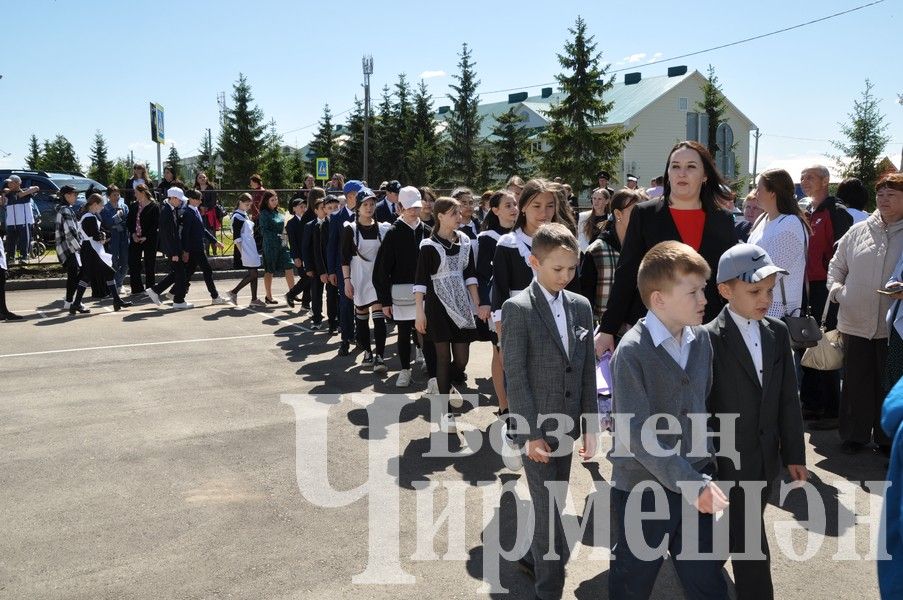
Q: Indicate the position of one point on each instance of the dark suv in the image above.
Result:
(46, 199)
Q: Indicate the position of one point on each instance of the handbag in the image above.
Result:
(827, 355)
(804, 329)
(403, 294)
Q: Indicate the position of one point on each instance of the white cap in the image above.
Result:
(14, 179)
(409, 197)
(175, 192)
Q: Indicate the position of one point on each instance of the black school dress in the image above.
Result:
(438, 260)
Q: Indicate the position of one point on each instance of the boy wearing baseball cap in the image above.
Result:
(755, 378)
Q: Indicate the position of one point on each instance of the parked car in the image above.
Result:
(46, 199)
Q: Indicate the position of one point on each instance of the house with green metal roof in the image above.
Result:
(661, 111)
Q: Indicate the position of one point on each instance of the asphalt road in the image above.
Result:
(150, 454)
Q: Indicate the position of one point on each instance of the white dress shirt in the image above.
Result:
(752, 336)
(556, 303)
(678, 349)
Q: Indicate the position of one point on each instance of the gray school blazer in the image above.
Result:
(541, 379)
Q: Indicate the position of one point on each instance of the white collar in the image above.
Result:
(523, 237)
(743, 324)
(549, 297)
(660, 333)
(414, 226)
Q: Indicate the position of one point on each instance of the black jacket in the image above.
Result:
(396, 260)
(769, 431)
(150, 220)
(294, 230)
(169, 241)
(384, 213)
(193, 232)
(651, 223)
(313, 251)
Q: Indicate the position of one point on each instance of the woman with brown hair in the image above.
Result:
(276, 257)
(210, 208)
(689, 213)
(590, 222)
(142, 223)
(783, 232)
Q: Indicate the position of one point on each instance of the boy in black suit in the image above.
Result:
(170, 244)
(754, 377)
(313, 252)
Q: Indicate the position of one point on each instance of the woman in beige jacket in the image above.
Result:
(863, 263)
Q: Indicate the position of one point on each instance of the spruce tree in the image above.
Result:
(241, 140)
(382, 142)
(512, 145)
(714, 106)
(323, 144)
(172, 159)
(402, 130)
(101, 166)
(425, 154)
(34, 159)
(205, 157)
(576, 150)
(464, 123)
(350, 156)
(273, 168)
(866, 138)
(59, 156)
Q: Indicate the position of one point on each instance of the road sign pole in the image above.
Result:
(159, 164)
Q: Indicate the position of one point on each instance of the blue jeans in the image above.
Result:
(119, 248)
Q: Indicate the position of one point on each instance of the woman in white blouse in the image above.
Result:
(783, 232)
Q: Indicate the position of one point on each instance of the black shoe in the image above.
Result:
(305, 305)
(849, 447)
(344, 349)
(824, 424)
(120, 304)
(290, 300)
(78, 308)
(12, 317)
(269, 300)
(526, 567)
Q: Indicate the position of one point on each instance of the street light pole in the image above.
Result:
(367, 63)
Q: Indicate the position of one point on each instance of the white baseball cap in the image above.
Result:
(409, 197)
(175, 192)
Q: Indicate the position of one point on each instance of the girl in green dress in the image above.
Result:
(276, 258)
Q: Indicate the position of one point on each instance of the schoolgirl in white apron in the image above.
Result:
(246, 255)
(361, 240)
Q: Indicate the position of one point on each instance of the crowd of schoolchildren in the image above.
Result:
(683, 303)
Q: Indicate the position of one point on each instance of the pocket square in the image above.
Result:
(580, 333)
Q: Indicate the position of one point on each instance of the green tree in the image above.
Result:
(382, 142)
(425, 154)
(121, 171)
(296, 167)
(241, 141)
(714, 106)
(274, 169)
(173, 159)
(101, 166)
(576, 146)
(350, 156)
(866, 138)
(402, 125)
(59, 156)
(512, 145)
(35, 158)
(206, 157)
(464, 123)
(323, 144)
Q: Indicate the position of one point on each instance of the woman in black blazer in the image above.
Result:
(687, 212)
(142, 224)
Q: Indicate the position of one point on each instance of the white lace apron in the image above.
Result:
(448, 283)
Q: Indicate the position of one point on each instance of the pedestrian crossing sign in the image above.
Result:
(323, 168)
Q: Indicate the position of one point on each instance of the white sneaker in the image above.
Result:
(219, 300)
(233, 298)
(66, 305)
(511, 454)
(182, 305)
(447, 424)
(404, 378)
(154, 296)
(122, 291)
(432, 387)
(455, 399)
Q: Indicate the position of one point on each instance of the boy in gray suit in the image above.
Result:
(755, 378)
(550, 370)
(662, 368)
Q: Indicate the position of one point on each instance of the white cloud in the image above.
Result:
(10, 161)
(432, 74)
(655, 57)
(635, 58)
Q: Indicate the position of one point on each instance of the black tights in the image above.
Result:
(3, 309)
(362, 330)
(446, 367)
(251, 278)
(72, 273)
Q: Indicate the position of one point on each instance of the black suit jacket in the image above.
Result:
(315, 237)
(651, 223)
(383, 213)
(193, 232)
(294, 230)
(150, 220)
(769, 431)
(169, 241)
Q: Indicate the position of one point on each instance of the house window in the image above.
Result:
(682, 104)
(693, 126)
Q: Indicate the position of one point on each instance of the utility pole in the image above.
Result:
(757, 135)
(367, 63)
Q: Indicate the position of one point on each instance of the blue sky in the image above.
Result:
(73, 67)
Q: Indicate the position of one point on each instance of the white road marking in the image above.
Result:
(140, 345)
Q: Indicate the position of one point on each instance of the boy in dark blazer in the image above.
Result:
(755, 378)
(294, 231)
(550, 369)
(337, 222)
(170, 243)
(312, 255)
(195, 238)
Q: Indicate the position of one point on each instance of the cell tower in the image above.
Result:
(221, 102)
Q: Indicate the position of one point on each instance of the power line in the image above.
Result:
(805, 139)
(713, 48)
